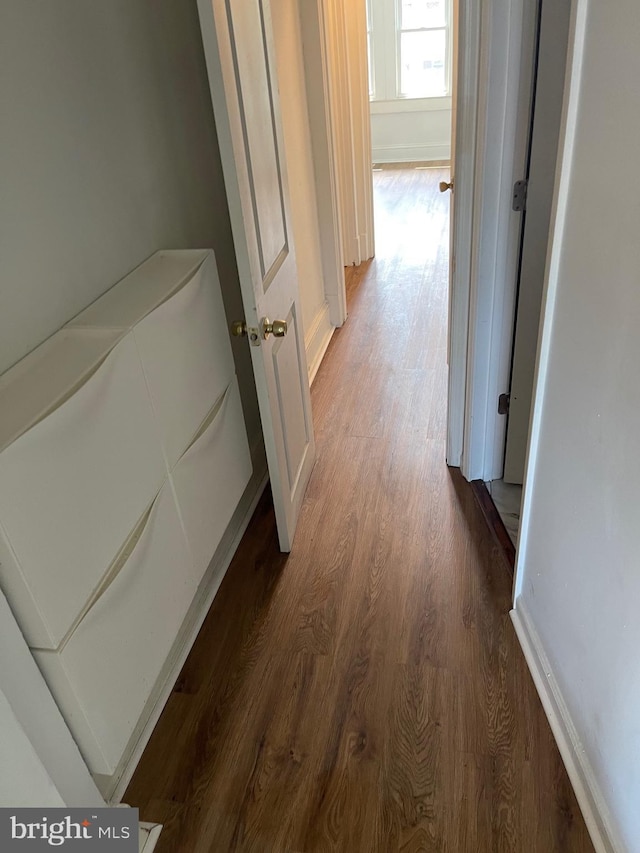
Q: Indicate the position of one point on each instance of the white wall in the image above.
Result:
(108, 154)
(578, 584)
(297, 139)
(411, 130)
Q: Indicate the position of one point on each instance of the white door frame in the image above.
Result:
(468, 58)
(494, 102)
(320, 100)
(566, 140)
(554, 20)
(344, 50)
(355, 16)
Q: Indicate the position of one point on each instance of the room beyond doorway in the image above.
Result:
(407, 282)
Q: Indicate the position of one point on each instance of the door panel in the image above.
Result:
(452, 168)
(255, 87)
(545, 129)
(287, 370)
(239, 51)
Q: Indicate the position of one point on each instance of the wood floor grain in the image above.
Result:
(367, 694)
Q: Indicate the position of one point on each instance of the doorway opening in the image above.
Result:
(348, 107)
(410, 81)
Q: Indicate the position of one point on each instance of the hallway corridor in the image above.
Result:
(366, 693)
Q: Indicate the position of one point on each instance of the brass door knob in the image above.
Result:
(444, 186)
(277, 328)
(238, 328)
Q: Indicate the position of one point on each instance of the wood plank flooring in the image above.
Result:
(367, 692)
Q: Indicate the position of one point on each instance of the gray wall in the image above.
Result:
(108, 152)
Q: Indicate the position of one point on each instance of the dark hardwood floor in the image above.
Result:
(367, 692)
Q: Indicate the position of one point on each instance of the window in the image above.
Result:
(409, 48)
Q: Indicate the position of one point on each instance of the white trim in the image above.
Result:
(504, 104)
(566, 142)
(361, 128)
(340, 110)
(317, 339)
(581, 775)
(411, 105)
(320, 100)
(462, 222)
(113, 787)
(411, 153)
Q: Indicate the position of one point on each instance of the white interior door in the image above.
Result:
(448, 185)
(238, 45)
(552, 55)
(464, 83)
(444, 185)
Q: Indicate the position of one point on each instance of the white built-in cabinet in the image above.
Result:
(123, 456)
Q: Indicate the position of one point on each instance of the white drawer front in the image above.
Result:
(71, 490)
(132, 298)
(210, 478)
(186, 355)
(105, 672)
(48, 375)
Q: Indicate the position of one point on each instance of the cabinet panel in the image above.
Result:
(210, 478)
(131, 299)
(71, 490)
(103, 675)
(186, 356)
(44, 379)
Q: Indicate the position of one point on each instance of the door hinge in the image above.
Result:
(520, 196)
(503, 404)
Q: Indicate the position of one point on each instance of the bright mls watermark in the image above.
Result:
(103, 830)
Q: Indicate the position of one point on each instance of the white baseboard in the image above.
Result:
(317, 340)
(113, 787)
(586, 788)
(411, 153)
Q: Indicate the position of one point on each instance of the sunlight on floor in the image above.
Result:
(399, 224)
